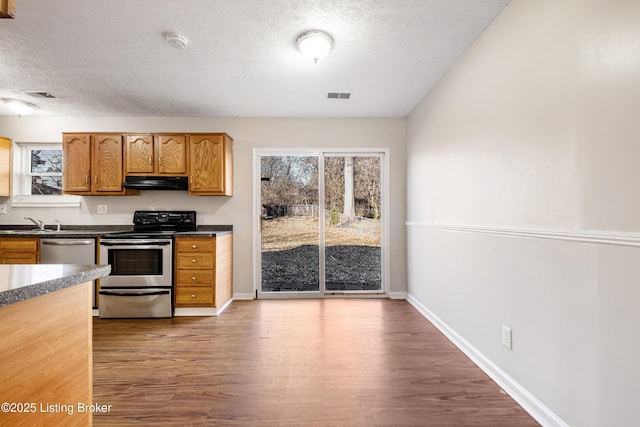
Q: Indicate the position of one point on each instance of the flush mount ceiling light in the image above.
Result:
(176, 40)
(315, 44)
(20, 107)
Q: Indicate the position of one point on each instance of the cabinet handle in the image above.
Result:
(193, 278)
(194, 246)
(159, 160)
(150, 160)
(193, 295)
(96, 180)
(86, 179)
(193, 260)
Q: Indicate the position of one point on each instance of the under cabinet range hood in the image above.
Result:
(156, 182)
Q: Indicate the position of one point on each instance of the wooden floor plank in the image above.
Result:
(332, 362)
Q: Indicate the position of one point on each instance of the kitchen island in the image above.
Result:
(46, 344)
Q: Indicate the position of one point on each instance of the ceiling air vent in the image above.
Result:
(339, 95)
(38, 93)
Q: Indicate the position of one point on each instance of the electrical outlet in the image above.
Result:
(3, 209)
(102, 209)
(506, 336)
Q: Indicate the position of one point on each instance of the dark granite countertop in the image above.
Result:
(94, 231)
(203, 233)
(208, 231)
(19, 282)
(81, 231)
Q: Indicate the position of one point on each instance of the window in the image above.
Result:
(38, 176)
(44, 172)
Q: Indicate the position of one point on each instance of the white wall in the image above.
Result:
(535, 129)
(248, 133)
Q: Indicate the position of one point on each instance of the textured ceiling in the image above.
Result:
(109, 57)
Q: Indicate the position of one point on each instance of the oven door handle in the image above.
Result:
(135, 243)
(133, 294)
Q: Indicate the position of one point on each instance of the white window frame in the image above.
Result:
(22, 196)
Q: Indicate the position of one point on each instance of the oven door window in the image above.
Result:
(135, 262)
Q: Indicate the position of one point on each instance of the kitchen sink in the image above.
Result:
(35, 231)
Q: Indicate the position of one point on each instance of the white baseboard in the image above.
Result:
(244, 296)
(205, 311)
(224, 307)
(528, 401)
(397, 295)
(195, 311)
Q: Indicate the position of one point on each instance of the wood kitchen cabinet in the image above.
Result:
(92, 164)
(96, 164)
(211, 162)
(5, 167)
(158, 154)
(19, 250)
(203, 271)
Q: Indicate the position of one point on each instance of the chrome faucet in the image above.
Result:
(37, 222)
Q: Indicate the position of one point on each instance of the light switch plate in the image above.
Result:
(102, 209)
(3, 209)
(506, 336)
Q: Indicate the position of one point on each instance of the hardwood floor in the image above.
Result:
(337, 362)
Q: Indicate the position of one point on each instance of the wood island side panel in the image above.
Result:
(46, 354)
(224, 270)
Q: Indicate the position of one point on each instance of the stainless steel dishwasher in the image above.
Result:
(69, 251)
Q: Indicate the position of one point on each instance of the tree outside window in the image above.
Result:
(45, 172)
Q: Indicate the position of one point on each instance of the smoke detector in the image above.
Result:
(176, 40)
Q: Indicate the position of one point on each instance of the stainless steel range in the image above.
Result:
(141, 279)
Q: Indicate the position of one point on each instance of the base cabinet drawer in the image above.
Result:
(190, 245)
(190, 296)
(195, 277)
(203, 260)
(19, 245)
(19, 250)
(19, 259)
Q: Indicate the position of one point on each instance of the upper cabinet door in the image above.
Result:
(139, 154)
(210, 164)
(5, 167)
(107, 164)
(76, 169)
(172, 154)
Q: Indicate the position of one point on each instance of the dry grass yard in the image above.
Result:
(289, 232)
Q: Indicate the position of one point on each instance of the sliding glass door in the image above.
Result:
(353, 223)
(289, 224)
(320, 224)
